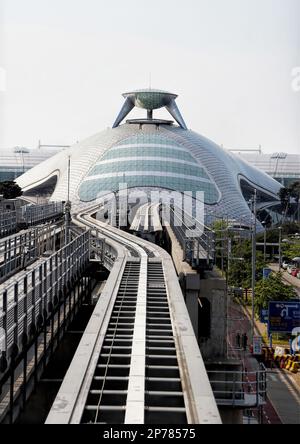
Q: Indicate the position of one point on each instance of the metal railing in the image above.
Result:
(34, 214)
(101, 251)
(29, 215)
(26, 301)
(196, 239)
(8, 222)
(239, 388)
(20, 250)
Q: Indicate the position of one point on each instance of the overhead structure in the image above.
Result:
(150, 99)
(138, 361)
(154, 155)
(283, 167)
(16, 161)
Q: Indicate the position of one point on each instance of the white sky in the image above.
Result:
(68, 61)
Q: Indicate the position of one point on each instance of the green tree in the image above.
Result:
(10, 190)
(272, 289)
(291, 250)
(289, 198)
(221, 235)
(240, 270)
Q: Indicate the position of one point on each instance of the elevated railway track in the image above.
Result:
(138, 361)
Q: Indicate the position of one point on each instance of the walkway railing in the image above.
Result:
(34, 214)
(20, 250)
(27, 301)
(239, 389)
(8, 223)
(196, 239)
(29, 215)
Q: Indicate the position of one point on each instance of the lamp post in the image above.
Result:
(264, 223)
(279, 247)
(68, 206)
(253, 201)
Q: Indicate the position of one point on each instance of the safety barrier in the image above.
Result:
(27, 301)
(284, 360)
(20, 250)
(239, 389)
(8, 223)
(29, 215)
(196, 240)
(34, 214)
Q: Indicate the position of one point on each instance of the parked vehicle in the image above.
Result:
(290, 269)
(285, 265)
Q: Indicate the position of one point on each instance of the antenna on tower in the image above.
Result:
(68, 206)
(150, 80)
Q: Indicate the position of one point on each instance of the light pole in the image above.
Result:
(68, 206)
(279, 247)
(264, 223)
(253, 258)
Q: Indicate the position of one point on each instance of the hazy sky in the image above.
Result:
(68, 61)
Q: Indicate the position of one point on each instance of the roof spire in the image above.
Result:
(150, 99)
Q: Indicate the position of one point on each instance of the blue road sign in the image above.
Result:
(266, 273)
(283, 316)
(264, 316)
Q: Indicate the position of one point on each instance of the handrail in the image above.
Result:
(28, 298)
(248, 387)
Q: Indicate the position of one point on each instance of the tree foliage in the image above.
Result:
(10, 190)
(291, 250)
(290, 197)
(220, 227)
(272, 289)
(240, 271)
(272, 235)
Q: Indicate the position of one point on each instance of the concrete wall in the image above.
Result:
(213, 288)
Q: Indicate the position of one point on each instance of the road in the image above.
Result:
(283, 401)
(291, 280)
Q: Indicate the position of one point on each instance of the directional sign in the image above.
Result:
(296, 344)
(283, 316)
(257, 345)
(266, 273)
(264, 316)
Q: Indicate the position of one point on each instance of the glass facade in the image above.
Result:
(15, 162)
(150, 164)
(285, 168)
(148, 160)
(150, 150)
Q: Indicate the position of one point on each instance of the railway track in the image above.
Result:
(138, 361)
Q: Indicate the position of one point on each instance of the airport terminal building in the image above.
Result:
(283, 167)
(154, 154)
(16, 161)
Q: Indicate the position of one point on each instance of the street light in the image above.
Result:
(280, 236)
(253, 208)
(264, 224)
(68, 206)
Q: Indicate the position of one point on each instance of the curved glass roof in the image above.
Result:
(16, 161)
(148, 160)
(150, 98)
(276, 165)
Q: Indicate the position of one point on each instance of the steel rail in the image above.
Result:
(164, 352)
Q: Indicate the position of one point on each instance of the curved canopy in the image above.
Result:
(150, 99)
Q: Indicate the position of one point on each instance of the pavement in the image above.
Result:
(283, 394)
(291, 280)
